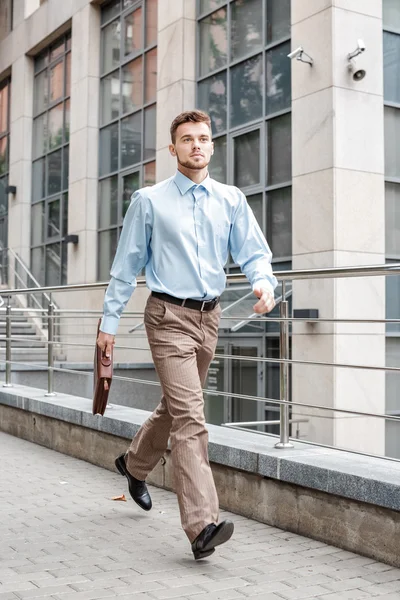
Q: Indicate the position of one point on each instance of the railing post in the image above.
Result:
(8, 343)
(284, 373)
(50, 349)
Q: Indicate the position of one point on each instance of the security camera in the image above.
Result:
(359, 50)
(296, 52)
(361, 45)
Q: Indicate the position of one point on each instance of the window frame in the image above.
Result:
(46, 153)
(260, 123)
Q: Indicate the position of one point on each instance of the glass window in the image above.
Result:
(217, 166)
(41, 93)
(39, 180)
(279, 150)
(392, 146)
(57, 49)
(213, 99)
(56, 82)
(38, 266)
(3, 155)
(391, 14)
(6, 7)
(65, 214)
(279, 222)
(53, 219)
(53, 264)
(131, 140)
(213, 42)
(247, 159)
(246, 91)
(107, 248)
(150, 173)
(151, 76)
(55, 126)
(109, 91)
(392, 196)
(65, 168)
(392, 301)
(391, 67)
(132, 85)
(149, 133)
(50, 172)
(109, 147)
(133, 32)
(67, 121)
(278, 20)
(38, 217)
(207, 5)
(151, 22)
(111, 42)
(256, 204)
(68, 74)
(39, 135)
(246, 27)
(278, 79)
(130, 185)
(110, 10)
(108, 202)
(54, 172)
(128, 98)
(4, 108)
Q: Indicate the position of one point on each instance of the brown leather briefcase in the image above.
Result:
(102, 377)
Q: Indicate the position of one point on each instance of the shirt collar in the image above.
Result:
(184, 184)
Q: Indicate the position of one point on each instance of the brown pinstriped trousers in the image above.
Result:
(182, 342)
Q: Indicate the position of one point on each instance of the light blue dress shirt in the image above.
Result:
(182, 233)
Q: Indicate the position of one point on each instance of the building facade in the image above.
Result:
(87, 93)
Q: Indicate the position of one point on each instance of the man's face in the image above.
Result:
(193, 146)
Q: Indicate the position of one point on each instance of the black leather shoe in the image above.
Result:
(137, 489)
(211, 536)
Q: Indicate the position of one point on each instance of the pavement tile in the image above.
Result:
(74, 543)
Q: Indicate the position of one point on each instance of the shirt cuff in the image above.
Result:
(109, 325)
(265, 284)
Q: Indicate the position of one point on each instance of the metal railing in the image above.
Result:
(52, 313)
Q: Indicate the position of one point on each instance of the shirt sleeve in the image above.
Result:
(131, 256)
(249, 248)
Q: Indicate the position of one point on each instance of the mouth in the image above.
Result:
(197, 155)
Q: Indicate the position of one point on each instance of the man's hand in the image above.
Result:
(106, 341)
(266, 300)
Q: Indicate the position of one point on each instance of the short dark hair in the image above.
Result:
(189, 116)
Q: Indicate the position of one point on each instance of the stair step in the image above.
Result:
(28, 343)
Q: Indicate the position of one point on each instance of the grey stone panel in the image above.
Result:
(344, 474)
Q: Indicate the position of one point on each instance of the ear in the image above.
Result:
(212, 151)
(172, 149)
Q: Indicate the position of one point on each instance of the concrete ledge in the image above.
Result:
(341, 498)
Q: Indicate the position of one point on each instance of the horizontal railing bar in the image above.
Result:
(217, 393)
(261, 359)
(332, 272)
(92, 314)
(292, 361)
(276, 422)
(338, 448)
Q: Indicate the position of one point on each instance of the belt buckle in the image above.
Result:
(202, 305)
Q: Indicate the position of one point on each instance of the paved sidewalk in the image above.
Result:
(62, 537)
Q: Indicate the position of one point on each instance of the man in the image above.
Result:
(181, 230)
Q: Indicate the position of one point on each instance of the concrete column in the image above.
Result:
(338, 217)
(19, 206)
(176, 82)
(84, 144)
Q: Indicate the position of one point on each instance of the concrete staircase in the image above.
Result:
(30, 346)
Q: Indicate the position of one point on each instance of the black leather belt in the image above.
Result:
(200, 305)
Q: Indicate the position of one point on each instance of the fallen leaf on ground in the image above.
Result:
(120, 498)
